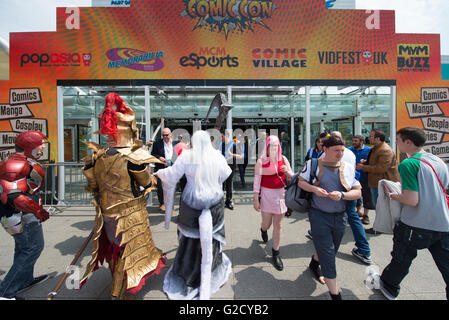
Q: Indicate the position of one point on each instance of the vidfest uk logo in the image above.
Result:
(229, 16)
(135, 59)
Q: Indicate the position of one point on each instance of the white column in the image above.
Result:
(307, 118)
(229, 116)
(393, 118)
(301, 153)
(147, 114)
(292, 142)
(60, 116)
(94, 122)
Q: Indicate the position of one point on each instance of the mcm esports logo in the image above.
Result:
(229, 16)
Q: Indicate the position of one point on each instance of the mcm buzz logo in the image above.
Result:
(229, 16)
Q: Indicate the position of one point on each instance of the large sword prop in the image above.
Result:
(150, 142)
(52, 294)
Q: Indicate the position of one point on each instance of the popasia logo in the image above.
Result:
(229, 15)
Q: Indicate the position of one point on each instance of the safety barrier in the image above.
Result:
(73, 192)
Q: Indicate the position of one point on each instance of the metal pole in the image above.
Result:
(393, 118)
(292, 142)
(61, 173)
(229, 116)
(147, 114)
(307, 117)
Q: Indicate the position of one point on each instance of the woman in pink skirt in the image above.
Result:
(271, 171)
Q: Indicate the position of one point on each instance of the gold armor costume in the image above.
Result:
(115, 186)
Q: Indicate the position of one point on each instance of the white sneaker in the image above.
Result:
(385, 292)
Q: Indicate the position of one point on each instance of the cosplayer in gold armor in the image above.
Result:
(119, 179)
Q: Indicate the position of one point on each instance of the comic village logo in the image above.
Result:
(210, 57)
(135, 59)
(229, 15)
(413, 57)
(366, 57)
(279, 58)
(56, 59)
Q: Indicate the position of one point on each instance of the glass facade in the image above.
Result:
(279, 110)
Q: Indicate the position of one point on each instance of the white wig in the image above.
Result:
(207, 185)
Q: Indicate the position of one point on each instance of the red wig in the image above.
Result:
(108, 118)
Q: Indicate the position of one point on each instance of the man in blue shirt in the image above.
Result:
(361, 152)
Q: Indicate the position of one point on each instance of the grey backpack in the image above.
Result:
(297, 199)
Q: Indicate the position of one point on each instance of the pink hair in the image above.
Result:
(265, 153)
(180, 147)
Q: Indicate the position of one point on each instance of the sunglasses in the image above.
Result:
(165, 135)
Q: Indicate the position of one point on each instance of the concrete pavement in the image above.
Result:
(253, 277)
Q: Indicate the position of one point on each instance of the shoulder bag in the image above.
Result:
(297, 199)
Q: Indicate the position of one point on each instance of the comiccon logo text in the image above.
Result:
(413, 57)
(210, 57)
(353, 57)
(135, 59)
(56, 59)
(279, 58)
(229, 15)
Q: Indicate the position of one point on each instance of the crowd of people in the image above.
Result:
(345, 186)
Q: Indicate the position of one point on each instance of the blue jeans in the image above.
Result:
(374, 195)
(407, 241)
(28, 247)
(357, 228)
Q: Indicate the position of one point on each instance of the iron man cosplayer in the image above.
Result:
(119, 179)
(21, 176)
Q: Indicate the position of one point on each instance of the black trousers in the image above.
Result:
(160, 192)
(228, 185)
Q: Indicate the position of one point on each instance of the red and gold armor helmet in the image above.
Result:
(119, 123)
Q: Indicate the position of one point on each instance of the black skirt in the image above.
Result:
(187, 264)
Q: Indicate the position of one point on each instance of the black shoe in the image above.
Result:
(335, 296)
(35, 281)
(229, 205)
(372, 231)
(264, 235)
(277, 262)
(314, 266)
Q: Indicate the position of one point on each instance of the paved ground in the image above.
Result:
(253, 277)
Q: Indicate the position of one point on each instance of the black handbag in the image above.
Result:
(297, 199)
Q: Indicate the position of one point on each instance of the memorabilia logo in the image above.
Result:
(210, 57)
(279, 58)
(135, 59)
(365, 57)
(413, 57)
(57, 59)
(229, 16)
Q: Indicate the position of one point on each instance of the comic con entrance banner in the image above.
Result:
(222, 39)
